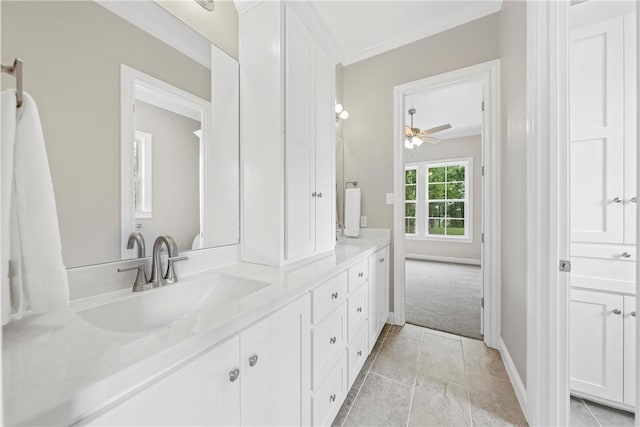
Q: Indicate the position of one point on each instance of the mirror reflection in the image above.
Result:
(127, 121)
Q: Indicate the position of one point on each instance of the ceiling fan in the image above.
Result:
(414, 137)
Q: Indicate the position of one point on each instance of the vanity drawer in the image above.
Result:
(329, 340)
(328, 399)
(358, 274)
(357, 353)
(328, 296)
(357, 310)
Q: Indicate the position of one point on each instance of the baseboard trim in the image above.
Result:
(455, 260)
(516, 382)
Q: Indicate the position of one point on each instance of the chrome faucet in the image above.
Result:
(157, 278)
(137, 237)
(141, 283)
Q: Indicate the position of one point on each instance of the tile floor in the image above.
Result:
(421, 377)
(585, 413)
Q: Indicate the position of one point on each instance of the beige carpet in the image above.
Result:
(444, 296)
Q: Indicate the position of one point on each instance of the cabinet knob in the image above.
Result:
(626, 254)
(333, 340)
(361, 274)
(332, 398)
(381, 260)
(233, 375)
(253, 360)
(617, 312)
(314, 194)
(319, 195)
(359, 353)
(359, 310)
(633, 313)
(334, 295)
(633, 199)
(616, 200)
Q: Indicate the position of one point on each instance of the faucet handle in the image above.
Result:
(170, 276)
(141, 283)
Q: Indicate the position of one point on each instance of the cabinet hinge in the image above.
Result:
(482, 170)
(482, 302)
(482, 105)
(481, 237)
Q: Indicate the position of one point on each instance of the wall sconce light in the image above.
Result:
(207, 4)
(341, 113)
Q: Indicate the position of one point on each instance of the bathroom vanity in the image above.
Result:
(260, 346)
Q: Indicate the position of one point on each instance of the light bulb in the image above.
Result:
(416, 141)
(344, 115)
(408, 145)
(339, 108)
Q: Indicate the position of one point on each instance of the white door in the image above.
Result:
(373, 301)
(630, 129)
(382, 284)
(630, 350)
(276, 368)
(205, 392)
(299, 138)
(325, 153)
(596, 343)
(597, 133)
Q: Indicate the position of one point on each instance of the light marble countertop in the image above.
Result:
(57, 368)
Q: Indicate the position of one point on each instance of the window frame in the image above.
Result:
(422, 205)
(415, 202)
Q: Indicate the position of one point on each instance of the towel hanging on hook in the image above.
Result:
(16, 71)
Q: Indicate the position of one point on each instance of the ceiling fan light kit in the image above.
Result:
(414, 137)
(341, 113)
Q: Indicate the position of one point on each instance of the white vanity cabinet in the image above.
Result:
(378, 293)
(258, 377)
(288, 136)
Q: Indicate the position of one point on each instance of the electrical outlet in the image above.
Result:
(389, 198)
(363, 221)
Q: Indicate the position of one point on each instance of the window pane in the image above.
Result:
(436, 210)
(436, 191)
(410, 226)
(455, 173)
(410, 176)
(436, 226)
(410, 209)
(437, 174)
(410, 192)
(455, 210)
(455, 227)
(455, 191)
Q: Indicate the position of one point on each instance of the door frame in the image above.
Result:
(548, 236)
(487, 73)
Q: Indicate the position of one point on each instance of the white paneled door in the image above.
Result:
(597, 133)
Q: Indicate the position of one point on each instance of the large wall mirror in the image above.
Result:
(139, 137)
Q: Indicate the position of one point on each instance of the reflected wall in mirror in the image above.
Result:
(73, 54)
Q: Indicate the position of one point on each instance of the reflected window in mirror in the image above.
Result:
(142, 174)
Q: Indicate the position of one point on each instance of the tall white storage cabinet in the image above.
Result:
(603, 203)
(287, 87)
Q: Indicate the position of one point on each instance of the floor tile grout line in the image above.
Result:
(365, 378)
(415, 381)
(466, 381)
(590, 412)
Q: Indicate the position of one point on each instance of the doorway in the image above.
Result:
(443, 209)
(486, 77)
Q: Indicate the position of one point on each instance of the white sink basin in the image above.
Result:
(149, 310)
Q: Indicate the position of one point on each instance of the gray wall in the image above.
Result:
(175, 188)
(368, 96)
(72, 53)
(469, 146)
(513, 39)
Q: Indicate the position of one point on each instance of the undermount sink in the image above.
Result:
(149, 310)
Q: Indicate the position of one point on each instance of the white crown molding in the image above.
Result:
(161, 24)
(243, 6)
(419, 34)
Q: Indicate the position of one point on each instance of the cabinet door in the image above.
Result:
(596, 348)
(382, 283)
(299, 138)
(276, 368)
(373, 302)
(325, 153)
(630, 350)
(201, 393)
(597, 133)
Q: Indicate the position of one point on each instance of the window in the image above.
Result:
(142, 174)
(437, 200)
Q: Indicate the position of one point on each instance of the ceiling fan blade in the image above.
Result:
(436, 129)
(430, 140)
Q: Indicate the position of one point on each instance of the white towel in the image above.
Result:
(352, 212)
(38, 278)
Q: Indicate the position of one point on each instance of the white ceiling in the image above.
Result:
(367, 28)
(459, 105)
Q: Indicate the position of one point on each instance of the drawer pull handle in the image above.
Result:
(381, 260)
(617, 312)
(359, 353)
(359, 310)
(626, 254)
(361, 274)
(333, 340)
(633, 313)
(233, 375)
(332, 398)
(334, 295)
(617, 200)
(253, 360)
(633, 200)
